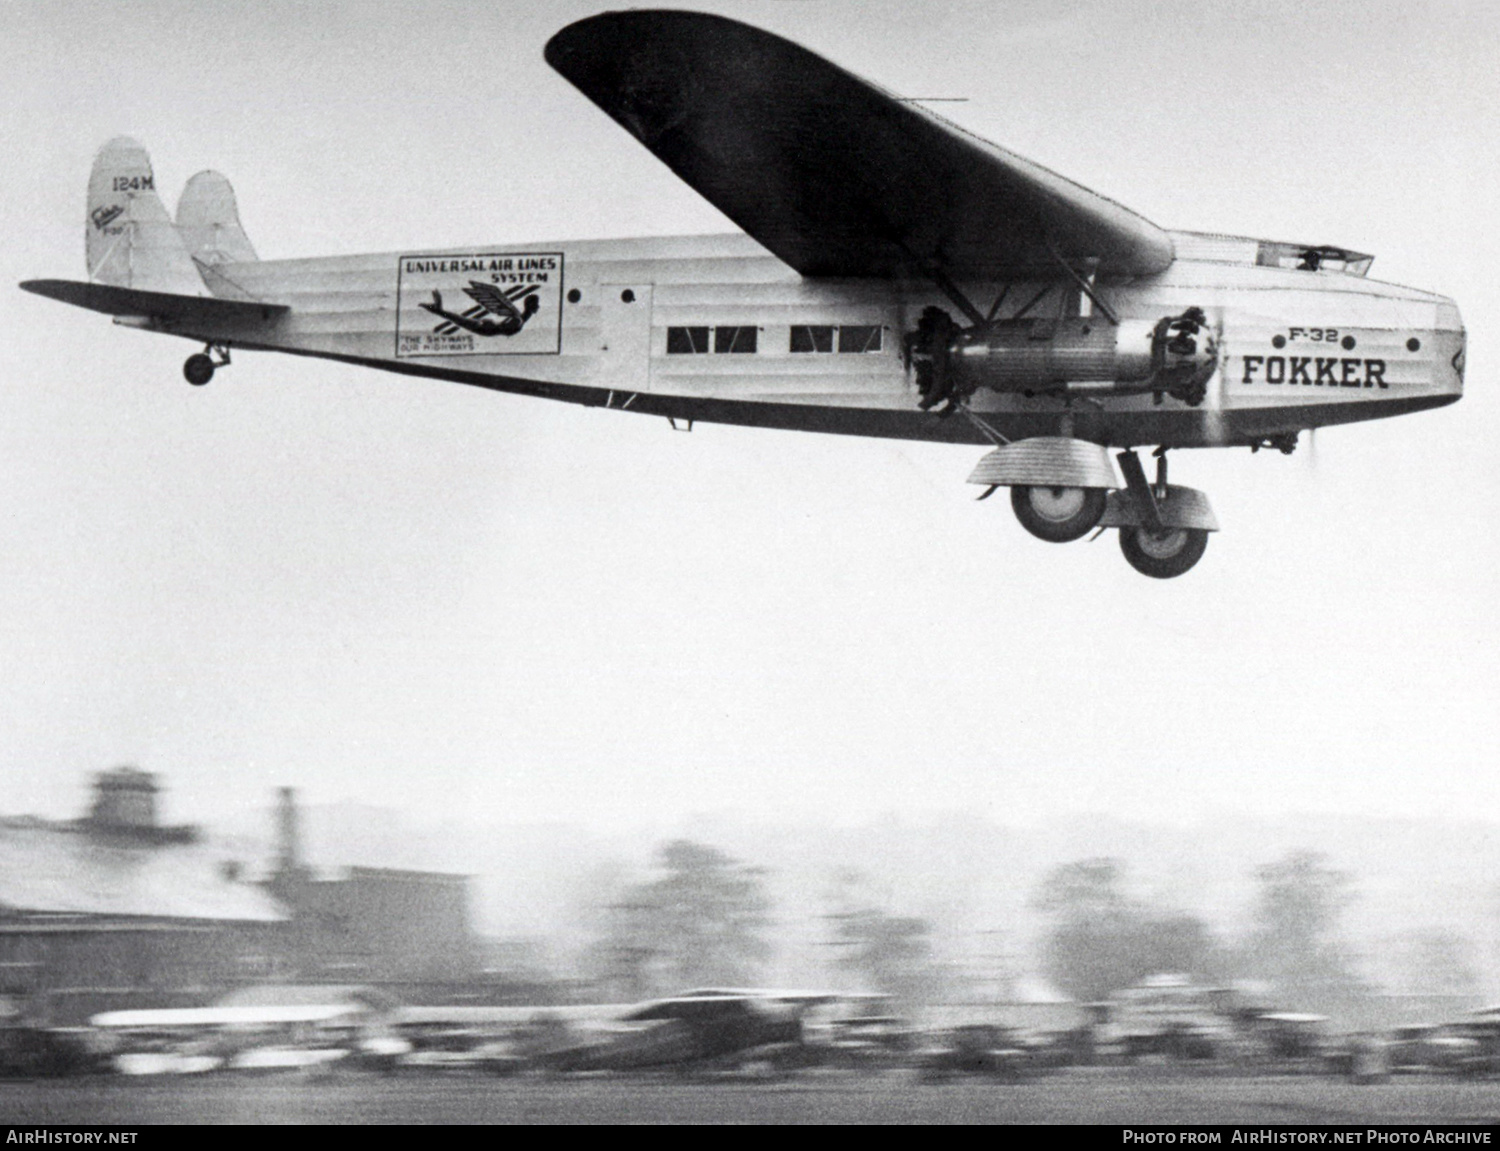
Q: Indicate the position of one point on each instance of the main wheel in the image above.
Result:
(198, 370)
(1164, 556)
(1057, 515)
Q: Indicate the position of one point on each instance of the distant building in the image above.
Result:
(117, 911)
(406, 931)
(380, 925)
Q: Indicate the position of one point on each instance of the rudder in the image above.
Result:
(131, 242)
(209, 220)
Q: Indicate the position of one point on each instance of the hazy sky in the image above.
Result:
(464, 604)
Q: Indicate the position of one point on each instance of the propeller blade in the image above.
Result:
(1215, 429)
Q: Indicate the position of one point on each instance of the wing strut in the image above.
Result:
(995, 307)
(935, 273)
(980, 320)
(1086, 286)
(984, 427)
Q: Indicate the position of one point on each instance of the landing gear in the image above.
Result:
(1163, 555)
(1058, 484)
(198, 369)
(1163, 527)
(1057, 515)
(1061, 488)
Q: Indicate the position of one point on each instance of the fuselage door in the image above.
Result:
(624, 361)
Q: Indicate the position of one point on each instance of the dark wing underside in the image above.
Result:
(181, 311)
(834, 175)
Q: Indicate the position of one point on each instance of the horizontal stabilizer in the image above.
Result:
(168, 309)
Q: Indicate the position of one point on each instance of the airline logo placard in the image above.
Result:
(487, 303)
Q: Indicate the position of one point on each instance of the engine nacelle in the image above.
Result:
(1175, 355)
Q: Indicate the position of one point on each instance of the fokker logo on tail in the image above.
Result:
(103, 217)
(489, 300)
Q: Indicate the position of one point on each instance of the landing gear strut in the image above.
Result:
(1061, 487)
(199, 368)
(1158, 543)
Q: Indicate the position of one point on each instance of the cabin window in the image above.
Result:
(859, 338)
(740, 339)
(812, 337)
(687, 341)
(850, 338)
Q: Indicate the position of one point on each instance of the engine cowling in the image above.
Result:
(1175, 355)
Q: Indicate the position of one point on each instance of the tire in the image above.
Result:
(1057, 515)
(198, 370)
(1164, 556)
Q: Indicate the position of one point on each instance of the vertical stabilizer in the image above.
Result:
(209, 220)
(131, 241)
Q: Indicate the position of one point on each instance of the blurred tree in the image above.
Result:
(702, 922)
(1084, 887)
(1295, 943)
(892, 954)
(1296, 917)
(1101, 940)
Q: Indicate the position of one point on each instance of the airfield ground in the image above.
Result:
(1113, 1097)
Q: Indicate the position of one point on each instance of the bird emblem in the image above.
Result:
(489, 301)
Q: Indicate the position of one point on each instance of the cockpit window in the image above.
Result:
(1312, 258)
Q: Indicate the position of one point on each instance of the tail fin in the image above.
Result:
(209, 220)
(131, 241)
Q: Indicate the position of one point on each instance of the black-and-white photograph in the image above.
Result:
(776, 561)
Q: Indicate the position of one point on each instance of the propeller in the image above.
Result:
(903, 325)
(1215, 428)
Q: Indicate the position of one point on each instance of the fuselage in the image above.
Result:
(715, 328)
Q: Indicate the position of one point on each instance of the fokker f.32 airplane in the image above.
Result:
(899, 277)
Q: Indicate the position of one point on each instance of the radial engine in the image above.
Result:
(1174, 356)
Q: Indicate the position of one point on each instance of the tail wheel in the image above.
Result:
(198, 370)
(1163, 556)
(1057, 515)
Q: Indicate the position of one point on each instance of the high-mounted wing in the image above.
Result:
(833, 174)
